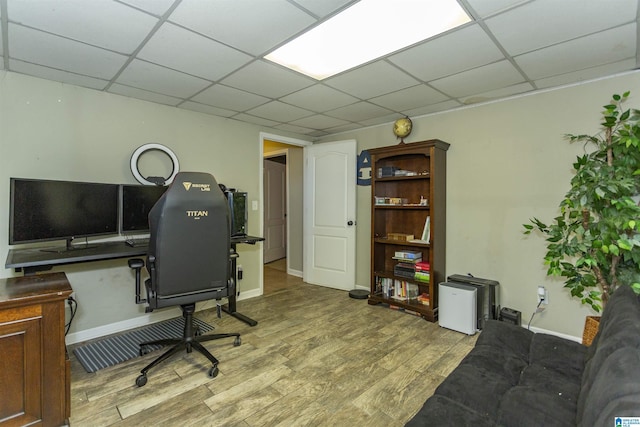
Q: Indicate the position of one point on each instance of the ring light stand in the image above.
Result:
(154, 180)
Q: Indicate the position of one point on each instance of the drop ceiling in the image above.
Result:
(208, 56)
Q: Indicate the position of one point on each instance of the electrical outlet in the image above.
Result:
(543, 295)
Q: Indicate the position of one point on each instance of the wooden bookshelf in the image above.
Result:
(408, 186)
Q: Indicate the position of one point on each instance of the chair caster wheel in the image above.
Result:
(197, 332)
(144, 350)
(213, 372)
(237, 342)
(141, 380)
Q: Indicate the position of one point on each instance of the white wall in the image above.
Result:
(508, 162)
(50, 130)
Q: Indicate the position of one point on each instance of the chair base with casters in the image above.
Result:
(191, 340)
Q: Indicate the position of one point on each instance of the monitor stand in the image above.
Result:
(69, 247)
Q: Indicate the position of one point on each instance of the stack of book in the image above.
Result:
(422, 272)
(407, 265)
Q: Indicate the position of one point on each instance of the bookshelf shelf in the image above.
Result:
(408, 284)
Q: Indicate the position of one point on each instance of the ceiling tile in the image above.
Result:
(156, 7)
(186, 51)
(372, 80)
(268, 80)
(608, 46)
(388, 119)
(498, 93)
(359, 111)
(207, 109)
(520, 29)
(292, 128)
(255, 120)
(105, 23)
(452, 53)
(133, 92)
(52, 51)
(229, 98)
(251, 26)
(318, 121)
(408, 98)
(587, 74)
(441, 106)
(322, 8)
(319, 98)
(484, 8)
(479, 80)
(56, 75)
(279, 111)
(345, 128)
(154, 78)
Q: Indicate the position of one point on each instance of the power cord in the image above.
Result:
(537, 310)
(73, 308)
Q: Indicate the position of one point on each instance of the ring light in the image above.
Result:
(154, 180)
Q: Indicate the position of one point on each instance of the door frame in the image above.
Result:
(283, 140)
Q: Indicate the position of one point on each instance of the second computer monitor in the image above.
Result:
(136, 202)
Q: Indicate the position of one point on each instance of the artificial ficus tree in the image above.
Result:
(595, 241)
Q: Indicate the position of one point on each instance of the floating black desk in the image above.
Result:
(33, 260)
(30, 261)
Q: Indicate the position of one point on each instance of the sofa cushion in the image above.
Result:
(496, 361)
(566, 386)
(615, 391)
(442, 411)
(558, 354)
(524, 406)
(476, 388)
(506, 337)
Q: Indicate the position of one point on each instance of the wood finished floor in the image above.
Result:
(316, 358)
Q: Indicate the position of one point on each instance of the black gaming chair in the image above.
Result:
(188, 260)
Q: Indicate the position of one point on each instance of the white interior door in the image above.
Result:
(275, 210)
(329, 232)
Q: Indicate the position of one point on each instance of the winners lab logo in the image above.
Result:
(203, 187)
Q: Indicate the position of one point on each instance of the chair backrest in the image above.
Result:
(189, 242)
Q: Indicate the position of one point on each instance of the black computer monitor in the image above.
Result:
(238, 211)
(136, 202)
(46, 210)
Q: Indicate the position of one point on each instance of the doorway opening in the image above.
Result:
(282, 210)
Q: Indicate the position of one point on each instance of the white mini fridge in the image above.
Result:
(457, 307)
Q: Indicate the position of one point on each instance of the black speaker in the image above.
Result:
(510, 315)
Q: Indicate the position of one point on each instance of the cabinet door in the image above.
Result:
(20, 370)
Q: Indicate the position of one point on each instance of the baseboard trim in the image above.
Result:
(554, 333)
(112, 328)
(144, 320)
(296, 273)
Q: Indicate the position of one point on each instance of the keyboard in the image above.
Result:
(138, 242)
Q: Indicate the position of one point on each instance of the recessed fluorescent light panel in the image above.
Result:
(367, 30)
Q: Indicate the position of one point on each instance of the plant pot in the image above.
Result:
(591, 325)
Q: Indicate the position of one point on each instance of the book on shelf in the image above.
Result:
(407, 260)
(408, 254)
(426, 231)
(422, 266)
(400, 290)
(423, 299)
(423, 277)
